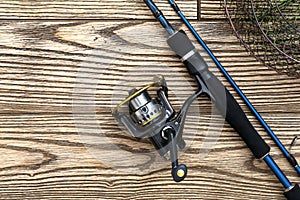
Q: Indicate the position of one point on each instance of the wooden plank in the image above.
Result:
(92, 9)
(42, 156)
(40, 63)
(212, 9)
(44, 67)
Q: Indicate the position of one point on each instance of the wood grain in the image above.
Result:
(91, 9)
(105, 9)
(59, 80)
(212, 9)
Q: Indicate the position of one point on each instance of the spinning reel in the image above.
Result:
(155, 118)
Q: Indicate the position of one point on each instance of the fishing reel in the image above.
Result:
(155, 118)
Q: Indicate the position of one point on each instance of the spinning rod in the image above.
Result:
(155, 117)
(212, 87)
(292, 160)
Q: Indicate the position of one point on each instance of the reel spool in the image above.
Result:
(155, 118)
(142, 108)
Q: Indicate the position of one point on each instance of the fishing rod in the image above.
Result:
(155, 117)
(211, 86)
(292, 160)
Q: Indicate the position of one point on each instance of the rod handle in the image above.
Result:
(293, 194)
(224, 101)
(236, 117)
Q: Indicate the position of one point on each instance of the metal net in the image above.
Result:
(269, 30)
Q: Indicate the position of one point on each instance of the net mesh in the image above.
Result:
(269, 30)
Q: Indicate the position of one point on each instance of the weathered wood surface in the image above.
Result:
(46, 117)
(92, 9)
(131, 9)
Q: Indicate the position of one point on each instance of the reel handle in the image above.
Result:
(179, 172)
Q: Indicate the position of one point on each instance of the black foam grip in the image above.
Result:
(236, 117)
(293, 194)
(223, 100)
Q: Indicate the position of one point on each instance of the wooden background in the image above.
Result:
(64, 65)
